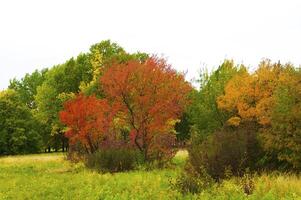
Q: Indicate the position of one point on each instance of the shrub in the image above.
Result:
(162, 150)
(231, 149)
(113, 160)
(76, 152)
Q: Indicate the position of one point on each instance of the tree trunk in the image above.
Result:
(63, 145)
(145, 155)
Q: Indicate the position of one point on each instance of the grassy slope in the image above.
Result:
(49, 176)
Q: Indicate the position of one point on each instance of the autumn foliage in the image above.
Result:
(144, 98)
(270, 99)
(254, 121)
(249, 96)
(152, 96)
(88, 120)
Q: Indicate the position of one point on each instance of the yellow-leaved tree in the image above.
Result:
(248, 97)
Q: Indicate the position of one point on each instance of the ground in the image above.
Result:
(51, 176)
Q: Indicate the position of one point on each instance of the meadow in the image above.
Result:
(51, 176)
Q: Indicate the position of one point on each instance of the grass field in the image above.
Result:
(50, 176)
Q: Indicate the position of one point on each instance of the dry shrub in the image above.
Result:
(113, 160)
(162, 149)
(76, 153)
(233, 149)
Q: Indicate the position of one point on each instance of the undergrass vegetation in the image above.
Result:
(51, 176)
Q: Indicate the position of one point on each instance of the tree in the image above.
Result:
(88, 120)
(182, 128)
(64, 81)
(104, 54)
(248, 97)
(18, 128)
(60, 82)
(204, 113)
(283, 136)
(48, 106)
(27, 87)
(151, 95)
(269, 99)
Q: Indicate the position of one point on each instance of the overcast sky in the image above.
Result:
(35, 34)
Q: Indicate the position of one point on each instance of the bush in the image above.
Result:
(76, 153)
(162, 150)
(229, 150)
(113, 160)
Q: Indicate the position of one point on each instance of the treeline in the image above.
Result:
(243, 122)
(29, 108)
(249, 118)
(236, 120)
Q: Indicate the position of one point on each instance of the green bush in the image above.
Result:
(114, 160)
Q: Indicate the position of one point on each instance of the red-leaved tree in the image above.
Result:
(152, 97)
(88, 120)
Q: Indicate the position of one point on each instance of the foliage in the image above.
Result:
(18, 128)
(249, 96)
(284, 135)
(88, 119)
(100, 54)
(161, 149)
(143, 92)
(27, 87)
(183, 128)
(115, 98)
(114, 160)
(204, 112)
(47, 107)
(228, 150)
(270, 97)
(62, 82)
(104, 54)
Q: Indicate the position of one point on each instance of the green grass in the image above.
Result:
(50, 176)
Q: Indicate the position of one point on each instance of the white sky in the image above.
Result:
(35, 34)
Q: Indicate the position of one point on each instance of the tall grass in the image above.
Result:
(50, 176)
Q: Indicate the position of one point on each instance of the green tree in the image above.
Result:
(204, 113)
(18, 128)
(48, 106)
(182, 128)
(27, 87)
(60, 81)
(104, 54)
